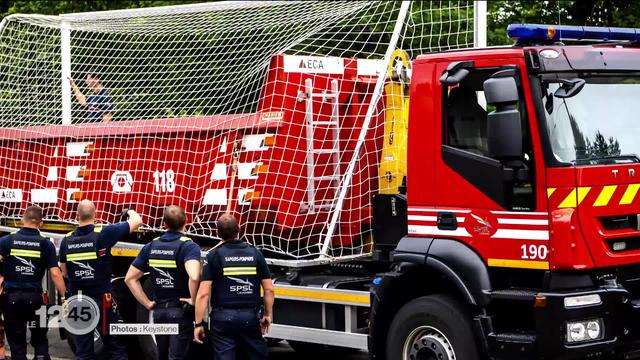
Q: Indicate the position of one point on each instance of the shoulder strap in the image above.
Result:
(151, 247)
(218, 254)
(10, 238)
(181, 264)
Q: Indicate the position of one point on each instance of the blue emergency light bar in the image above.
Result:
(550, 33)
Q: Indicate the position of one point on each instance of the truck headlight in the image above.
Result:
(593, 330)
(587, 330)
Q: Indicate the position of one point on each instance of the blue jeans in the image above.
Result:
(174, 347)
(237, 329)
(114, 344)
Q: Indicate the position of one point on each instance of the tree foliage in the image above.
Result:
(56, 7)
(622, 13)
(448, 27)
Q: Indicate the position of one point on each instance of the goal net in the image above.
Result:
(272, 111)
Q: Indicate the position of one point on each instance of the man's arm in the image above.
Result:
(106, 117)
(135, 220)
(202, 302)
(269, 296)
(111, 234)
(78, 94)
(63, 258)
(54, 270)
(58, 280)
(132, 279)
(190, 257)
(193, 269)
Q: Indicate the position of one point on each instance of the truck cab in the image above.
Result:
(522, 206)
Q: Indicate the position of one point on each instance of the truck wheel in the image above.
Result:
(435, 327)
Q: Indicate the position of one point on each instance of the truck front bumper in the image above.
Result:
(616, 313)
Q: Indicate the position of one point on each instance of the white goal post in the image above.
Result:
(271, 110)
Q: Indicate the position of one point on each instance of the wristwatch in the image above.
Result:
(195, 324)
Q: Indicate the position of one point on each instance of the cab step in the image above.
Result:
(512, 345)
(514, 294)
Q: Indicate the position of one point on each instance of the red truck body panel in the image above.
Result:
(116, 164)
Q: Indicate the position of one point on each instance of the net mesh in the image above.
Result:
(253, 108)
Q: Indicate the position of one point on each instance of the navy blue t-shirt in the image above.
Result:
(98, 105)
(212, 269)
(47, 257)
(108, 237)
(189, 251)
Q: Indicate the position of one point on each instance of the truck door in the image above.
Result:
(496, 199)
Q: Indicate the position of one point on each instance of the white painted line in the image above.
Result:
(523, 222)
(44, 196)
(431, 218)
(433, 230)
(215, 197)
(78, 149)
(521, 234)
(219, 172)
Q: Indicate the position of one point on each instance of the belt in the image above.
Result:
(247, 308)
(23, 290)
(167, 304)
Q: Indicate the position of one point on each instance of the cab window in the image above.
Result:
(466, 144)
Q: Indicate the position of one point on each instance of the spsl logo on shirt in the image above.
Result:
(27, 267)
(85, 271)
(165, 279)
(243, 287)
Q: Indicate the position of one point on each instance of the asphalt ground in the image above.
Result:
(59, 350)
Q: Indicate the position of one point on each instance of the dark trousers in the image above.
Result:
(19, 309)
(174, 347)
(237, 329)
(114, 344)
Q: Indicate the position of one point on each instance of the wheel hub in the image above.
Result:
(428, 343)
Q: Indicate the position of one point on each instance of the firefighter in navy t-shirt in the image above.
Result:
(233, 275)
(85, 259)
(26, 255)
(99, 104)
(173, 263)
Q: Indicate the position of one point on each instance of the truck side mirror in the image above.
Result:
(504, 128)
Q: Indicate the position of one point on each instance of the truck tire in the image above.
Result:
(432, 327)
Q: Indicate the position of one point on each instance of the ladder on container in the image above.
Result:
(311, 125)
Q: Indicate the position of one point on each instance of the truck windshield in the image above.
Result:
(600, 124)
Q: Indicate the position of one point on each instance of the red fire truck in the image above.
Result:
(514, 234)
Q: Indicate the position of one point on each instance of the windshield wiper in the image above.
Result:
(609, 159)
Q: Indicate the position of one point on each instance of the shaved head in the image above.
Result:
(228, 228)
(86, 210)
(175, 218)
(32, 215)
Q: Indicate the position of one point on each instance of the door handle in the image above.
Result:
(447, 221)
